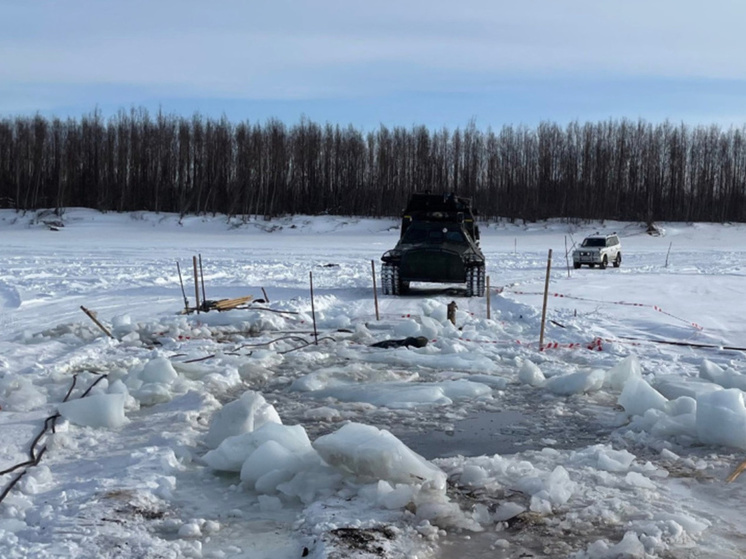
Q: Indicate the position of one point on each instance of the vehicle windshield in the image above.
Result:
(594, 242)
(418, 233)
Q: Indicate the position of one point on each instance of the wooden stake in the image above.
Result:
(92, 316)
(451, 312)
(489, 305)
(669, 252)
(181, 282)
(196, 283)
(313, 311)
(544, 307)
(737, 472)
(202, 277)
(375, 290)
(567, 258)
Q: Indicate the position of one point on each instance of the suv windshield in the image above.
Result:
(594, 242)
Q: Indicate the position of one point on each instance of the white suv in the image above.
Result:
(598, 249)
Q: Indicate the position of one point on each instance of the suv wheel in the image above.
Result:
(604, 263)
(618, 260)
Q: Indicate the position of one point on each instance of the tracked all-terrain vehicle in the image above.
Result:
(439, 243)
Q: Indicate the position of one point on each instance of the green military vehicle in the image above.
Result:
(439, 243)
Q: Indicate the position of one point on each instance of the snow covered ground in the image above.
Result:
(234, 435)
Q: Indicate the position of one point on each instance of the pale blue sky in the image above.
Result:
(409, 62)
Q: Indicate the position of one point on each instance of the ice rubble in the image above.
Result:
(721, 418)
(575, 383)
(372, 454)
(18, 393)
(244, 415)
(400, 395)
(247, 435)
(281, 462)
(638, 397)
(713, 413)
(153, 382)
(530, 373)
(97, 410)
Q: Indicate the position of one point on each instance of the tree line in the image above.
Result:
(616, 169)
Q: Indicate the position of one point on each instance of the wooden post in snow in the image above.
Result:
(489, 305)
(544, 307)
(95, 320)
(196, 283)
(375, 290)
(313, 311)
(202, 279)
(181, 282)
(451, 312)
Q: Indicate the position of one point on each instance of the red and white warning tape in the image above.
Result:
(625, 303)
(595, 345)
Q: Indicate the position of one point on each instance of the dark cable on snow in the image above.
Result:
(34, 457)
(306, 344)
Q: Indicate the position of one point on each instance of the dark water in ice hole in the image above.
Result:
(498, 432)
(482, 433)
(477, 435)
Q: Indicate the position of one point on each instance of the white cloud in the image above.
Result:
(333, 49)
(249, 47)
